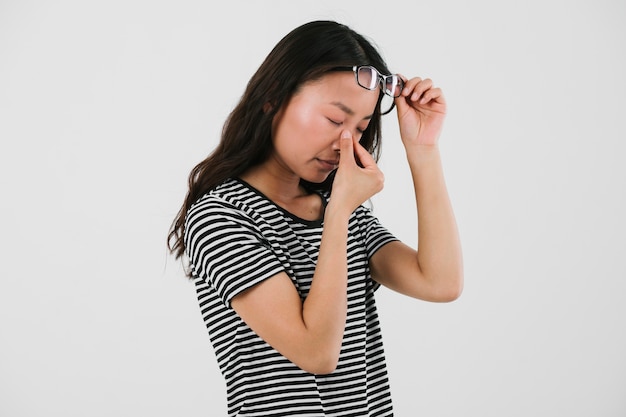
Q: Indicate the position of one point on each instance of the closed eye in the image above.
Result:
(337, 123)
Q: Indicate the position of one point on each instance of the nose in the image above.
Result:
(336, 144)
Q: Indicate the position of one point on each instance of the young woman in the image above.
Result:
(284, 256)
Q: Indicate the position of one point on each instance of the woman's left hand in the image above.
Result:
(421, 110)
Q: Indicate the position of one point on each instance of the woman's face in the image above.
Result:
(306, 130)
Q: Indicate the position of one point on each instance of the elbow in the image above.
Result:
(322, 368)
(450, 289)
(320, 362)
(450, 294)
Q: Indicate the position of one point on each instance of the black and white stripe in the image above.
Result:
(236, 238)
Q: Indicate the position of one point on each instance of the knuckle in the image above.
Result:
(380, 183)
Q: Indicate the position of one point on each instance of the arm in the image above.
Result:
(310, 333)
(307, 333)
(434, 272)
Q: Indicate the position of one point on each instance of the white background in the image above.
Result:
(106, 106)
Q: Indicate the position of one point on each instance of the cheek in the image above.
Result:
(306, 120)
(287, 137)
(302, 128)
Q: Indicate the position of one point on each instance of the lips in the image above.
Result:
(329, 163)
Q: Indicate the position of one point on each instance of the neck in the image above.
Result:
(275, 184)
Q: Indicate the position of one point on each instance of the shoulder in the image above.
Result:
(364, 216)
(222, 207)
(220, 219)
(230, 197)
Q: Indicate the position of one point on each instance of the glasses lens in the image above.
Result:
(393, 85)
(387, 104)
(367, 77)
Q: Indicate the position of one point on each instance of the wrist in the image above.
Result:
(420, 152)
(336, 212)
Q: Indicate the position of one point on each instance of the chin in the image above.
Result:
(319, 182)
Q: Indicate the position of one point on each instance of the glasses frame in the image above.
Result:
(382, 81)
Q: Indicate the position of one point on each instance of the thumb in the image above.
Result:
(401, 105)
(346, 151)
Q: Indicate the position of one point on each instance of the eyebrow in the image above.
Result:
(348, 110)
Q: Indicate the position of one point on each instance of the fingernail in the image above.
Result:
(345, 135)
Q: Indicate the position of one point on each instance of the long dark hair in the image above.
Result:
(305, 54)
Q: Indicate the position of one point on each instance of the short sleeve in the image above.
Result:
(226, 248)
(376, 235)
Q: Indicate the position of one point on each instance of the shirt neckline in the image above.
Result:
(310, 223)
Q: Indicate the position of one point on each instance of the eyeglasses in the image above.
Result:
(369, 78)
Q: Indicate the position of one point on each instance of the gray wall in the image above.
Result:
(106, 106)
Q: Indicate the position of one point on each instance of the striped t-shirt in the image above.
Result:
(236, 238)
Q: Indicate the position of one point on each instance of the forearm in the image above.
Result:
(439, 253)
(325, 308)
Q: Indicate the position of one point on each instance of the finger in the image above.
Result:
(346, 152)
(402, 103)
(413, 83)
(421, 88)
(433, 94)
(363, 155)
(409, 85)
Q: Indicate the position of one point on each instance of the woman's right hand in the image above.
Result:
(310, 332)
(358, 177)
